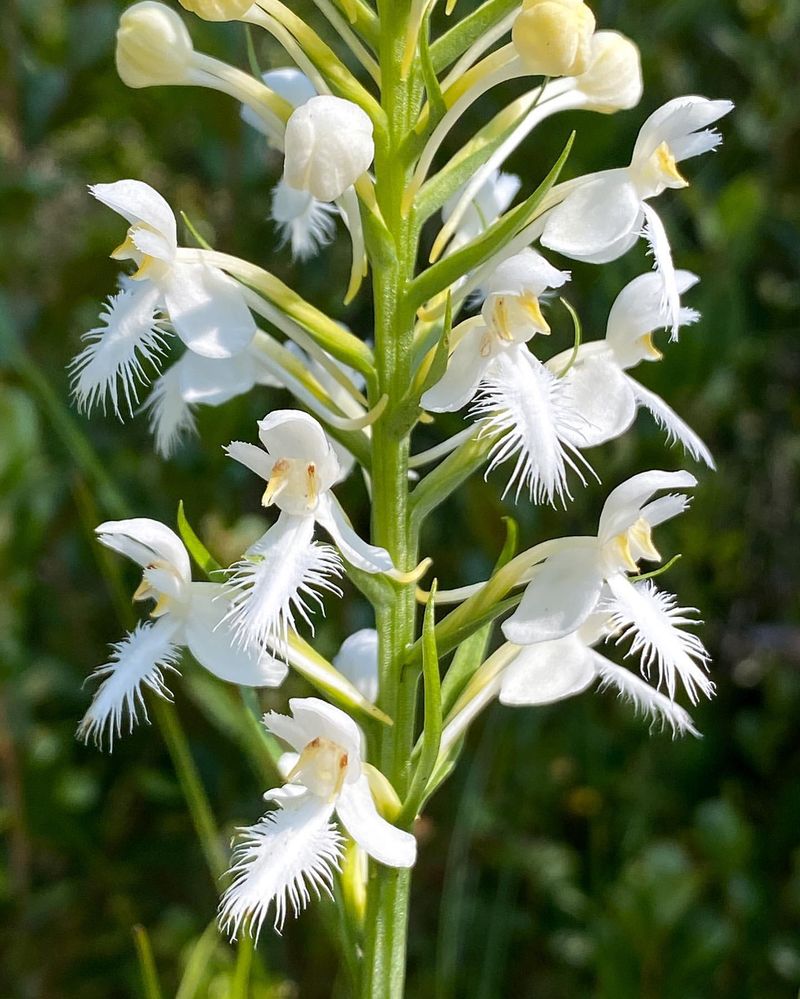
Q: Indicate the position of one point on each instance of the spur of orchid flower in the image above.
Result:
(286, 566)
(296, 846)
(185, 613)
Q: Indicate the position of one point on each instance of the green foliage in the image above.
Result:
(586, 857)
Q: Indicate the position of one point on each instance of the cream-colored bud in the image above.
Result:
(613, 81)
(328, 145)
(153, 46)
(218, 10)
(553, 37)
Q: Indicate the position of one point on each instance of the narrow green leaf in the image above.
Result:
(472, 651)
(441, 355)
(432, 730)
(147, 964)
(196, 975)
(469, 29)
(447, 271)
(436, 103)
(204, 559)
(245, 948)
(439, 483)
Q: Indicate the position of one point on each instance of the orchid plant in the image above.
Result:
(361, 133)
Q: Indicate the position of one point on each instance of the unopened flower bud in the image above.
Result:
(553, 37)
(153, 46)
(218, 10)
(613, 81)
(328, 146)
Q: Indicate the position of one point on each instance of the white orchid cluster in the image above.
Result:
(465, 332)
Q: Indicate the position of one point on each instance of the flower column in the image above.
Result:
(388, 890)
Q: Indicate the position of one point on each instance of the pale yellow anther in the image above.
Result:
(637, 539)
(321, 767)
(146, 591)
(277, 482)
(649, 347)
(667, 166)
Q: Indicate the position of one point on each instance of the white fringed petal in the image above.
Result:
(384, 842)
(669, 421)
(548, 672)
(169, 414)
(539, 427)
(207, 310)
(140, 660)
(356, 551)
(211, 641)
(561, 596)
(291, 850)
(658, 241)
(305, 223)
(115, 361)
(272, 583)
(646, 701)
(146, 541)
(652, 619)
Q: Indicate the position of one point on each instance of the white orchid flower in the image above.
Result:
(296, 847)
(486, 206)
(570, 584)
(602, 388)
(286, 564)
(195, 380)
(357, 659)
(186, 613)
(554, 37)
(605, 213)
(511, 316)
(203, 305)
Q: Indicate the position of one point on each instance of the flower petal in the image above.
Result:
(118, 353)
(146, 541)
(656, 236)
(290, 850)
(357, 659)
(212, 642)
(598, 221)
(639, 310)
(289, 433)
(645, 700)
(137, 202)
(271, 583)
(356, 551)
(303, 222)
(560, 597)
(460, 381)
(548, 672)
(678, 123)
(668, 420)
(170, 416)
(314, 717)
(601, 393)
(140, 659)
(651, 618)
(208, 310)
(384, 842)
(624, 504)
(252, 457)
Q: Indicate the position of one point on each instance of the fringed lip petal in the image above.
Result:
(356, 551)
(207, 310)
(211, 641)
(645, 699)
(384, 842)
(669, 421)
(290, 852)
(548, 672)
(561, 596)
(141, 659)
(145, 541)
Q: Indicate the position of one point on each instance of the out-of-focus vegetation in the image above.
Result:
(573, 853)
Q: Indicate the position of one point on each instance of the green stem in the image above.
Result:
(384, 950)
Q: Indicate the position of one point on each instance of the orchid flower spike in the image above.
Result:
(603, 390)
(286, 564)
(195, 380)
(185, 613)
(296, 847)
(204, 306)
(511, 315)
(604, 214)
(570, 585)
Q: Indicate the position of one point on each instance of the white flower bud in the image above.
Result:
(553, 37)
(328, 146)
(613, 81)
(153, 46)
(218, 10)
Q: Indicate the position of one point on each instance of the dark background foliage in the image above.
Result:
(572, 853)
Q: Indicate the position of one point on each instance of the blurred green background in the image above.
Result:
(573, 853)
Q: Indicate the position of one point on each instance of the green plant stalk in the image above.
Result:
(386, 923)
